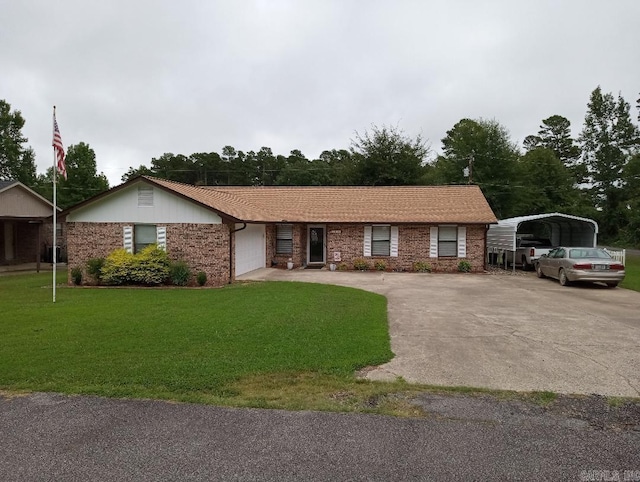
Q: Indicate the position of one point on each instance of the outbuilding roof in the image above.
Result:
(561, 229)
(21, 202)
(6, 184)
(549, 217)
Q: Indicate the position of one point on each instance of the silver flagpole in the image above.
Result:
(55, 218)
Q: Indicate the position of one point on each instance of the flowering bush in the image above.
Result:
(148, 267)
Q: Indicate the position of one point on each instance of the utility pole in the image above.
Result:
(470, 169)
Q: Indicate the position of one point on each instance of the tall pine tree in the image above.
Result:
(609, 139)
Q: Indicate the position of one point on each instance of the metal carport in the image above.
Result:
(561, 229)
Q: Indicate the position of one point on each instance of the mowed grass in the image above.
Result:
(275, 344)
(632, 277)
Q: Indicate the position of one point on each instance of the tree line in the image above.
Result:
(17, 163)
(596, 175)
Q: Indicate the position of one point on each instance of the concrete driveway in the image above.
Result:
(501, 331)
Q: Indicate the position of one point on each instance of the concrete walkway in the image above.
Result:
(500, 331)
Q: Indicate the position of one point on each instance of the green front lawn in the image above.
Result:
(239, 345)
(632, 276)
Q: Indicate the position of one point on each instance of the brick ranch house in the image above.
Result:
(228, 231)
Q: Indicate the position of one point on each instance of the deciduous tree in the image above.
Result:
(83, 180)
(480, 152)
(545, 185)
(132, 172)
(630, 232)
(17, 161)
(385, 156)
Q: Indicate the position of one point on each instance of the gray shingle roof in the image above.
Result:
(5, 184)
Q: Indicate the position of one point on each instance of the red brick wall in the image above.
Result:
(204, 247)
(413, 245)
(299, 255)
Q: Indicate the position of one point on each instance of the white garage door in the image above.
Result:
(250, 248)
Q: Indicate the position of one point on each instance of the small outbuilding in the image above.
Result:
(561, 229)
(26, 234)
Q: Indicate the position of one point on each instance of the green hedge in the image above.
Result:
(148, 267)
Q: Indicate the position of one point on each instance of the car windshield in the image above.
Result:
(589, 253)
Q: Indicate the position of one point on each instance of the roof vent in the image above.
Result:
(145, 196)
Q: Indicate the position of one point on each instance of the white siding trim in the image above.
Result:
(122, 207)
(433, 242)
(127, 238)
(367, 241)
(393, 249)
(462, 242)
(161, 237)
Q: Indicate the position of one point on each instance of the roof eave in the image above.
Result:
(141, 178)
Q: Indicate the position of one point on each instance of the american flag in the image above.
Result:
(58, 148)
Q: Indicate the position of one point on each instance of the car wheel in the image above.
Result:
(562, 277)
(525, 265)
(539, 271)
(612, 284)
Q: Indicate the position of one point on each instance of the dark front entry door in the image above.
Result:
(316, 245)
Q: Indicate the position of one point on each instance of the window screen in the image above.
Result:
(447, 241)
(380, 240)
(284, 239)
(144, 235)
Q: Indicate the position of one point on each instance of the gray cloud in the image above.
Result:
(137, 79)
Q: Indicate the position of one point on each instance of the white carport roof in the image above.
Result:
(564, 229)
(548, 217)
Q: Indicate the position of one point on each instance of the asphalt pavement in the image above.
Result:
(76, 438)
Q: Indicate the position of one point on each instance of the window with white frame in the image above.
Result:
(380, 240)
(284, 239)
(143, 236)
(139, 236)
(447, 241)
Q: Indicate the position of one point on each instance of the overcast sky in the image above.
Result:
(137, 78)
